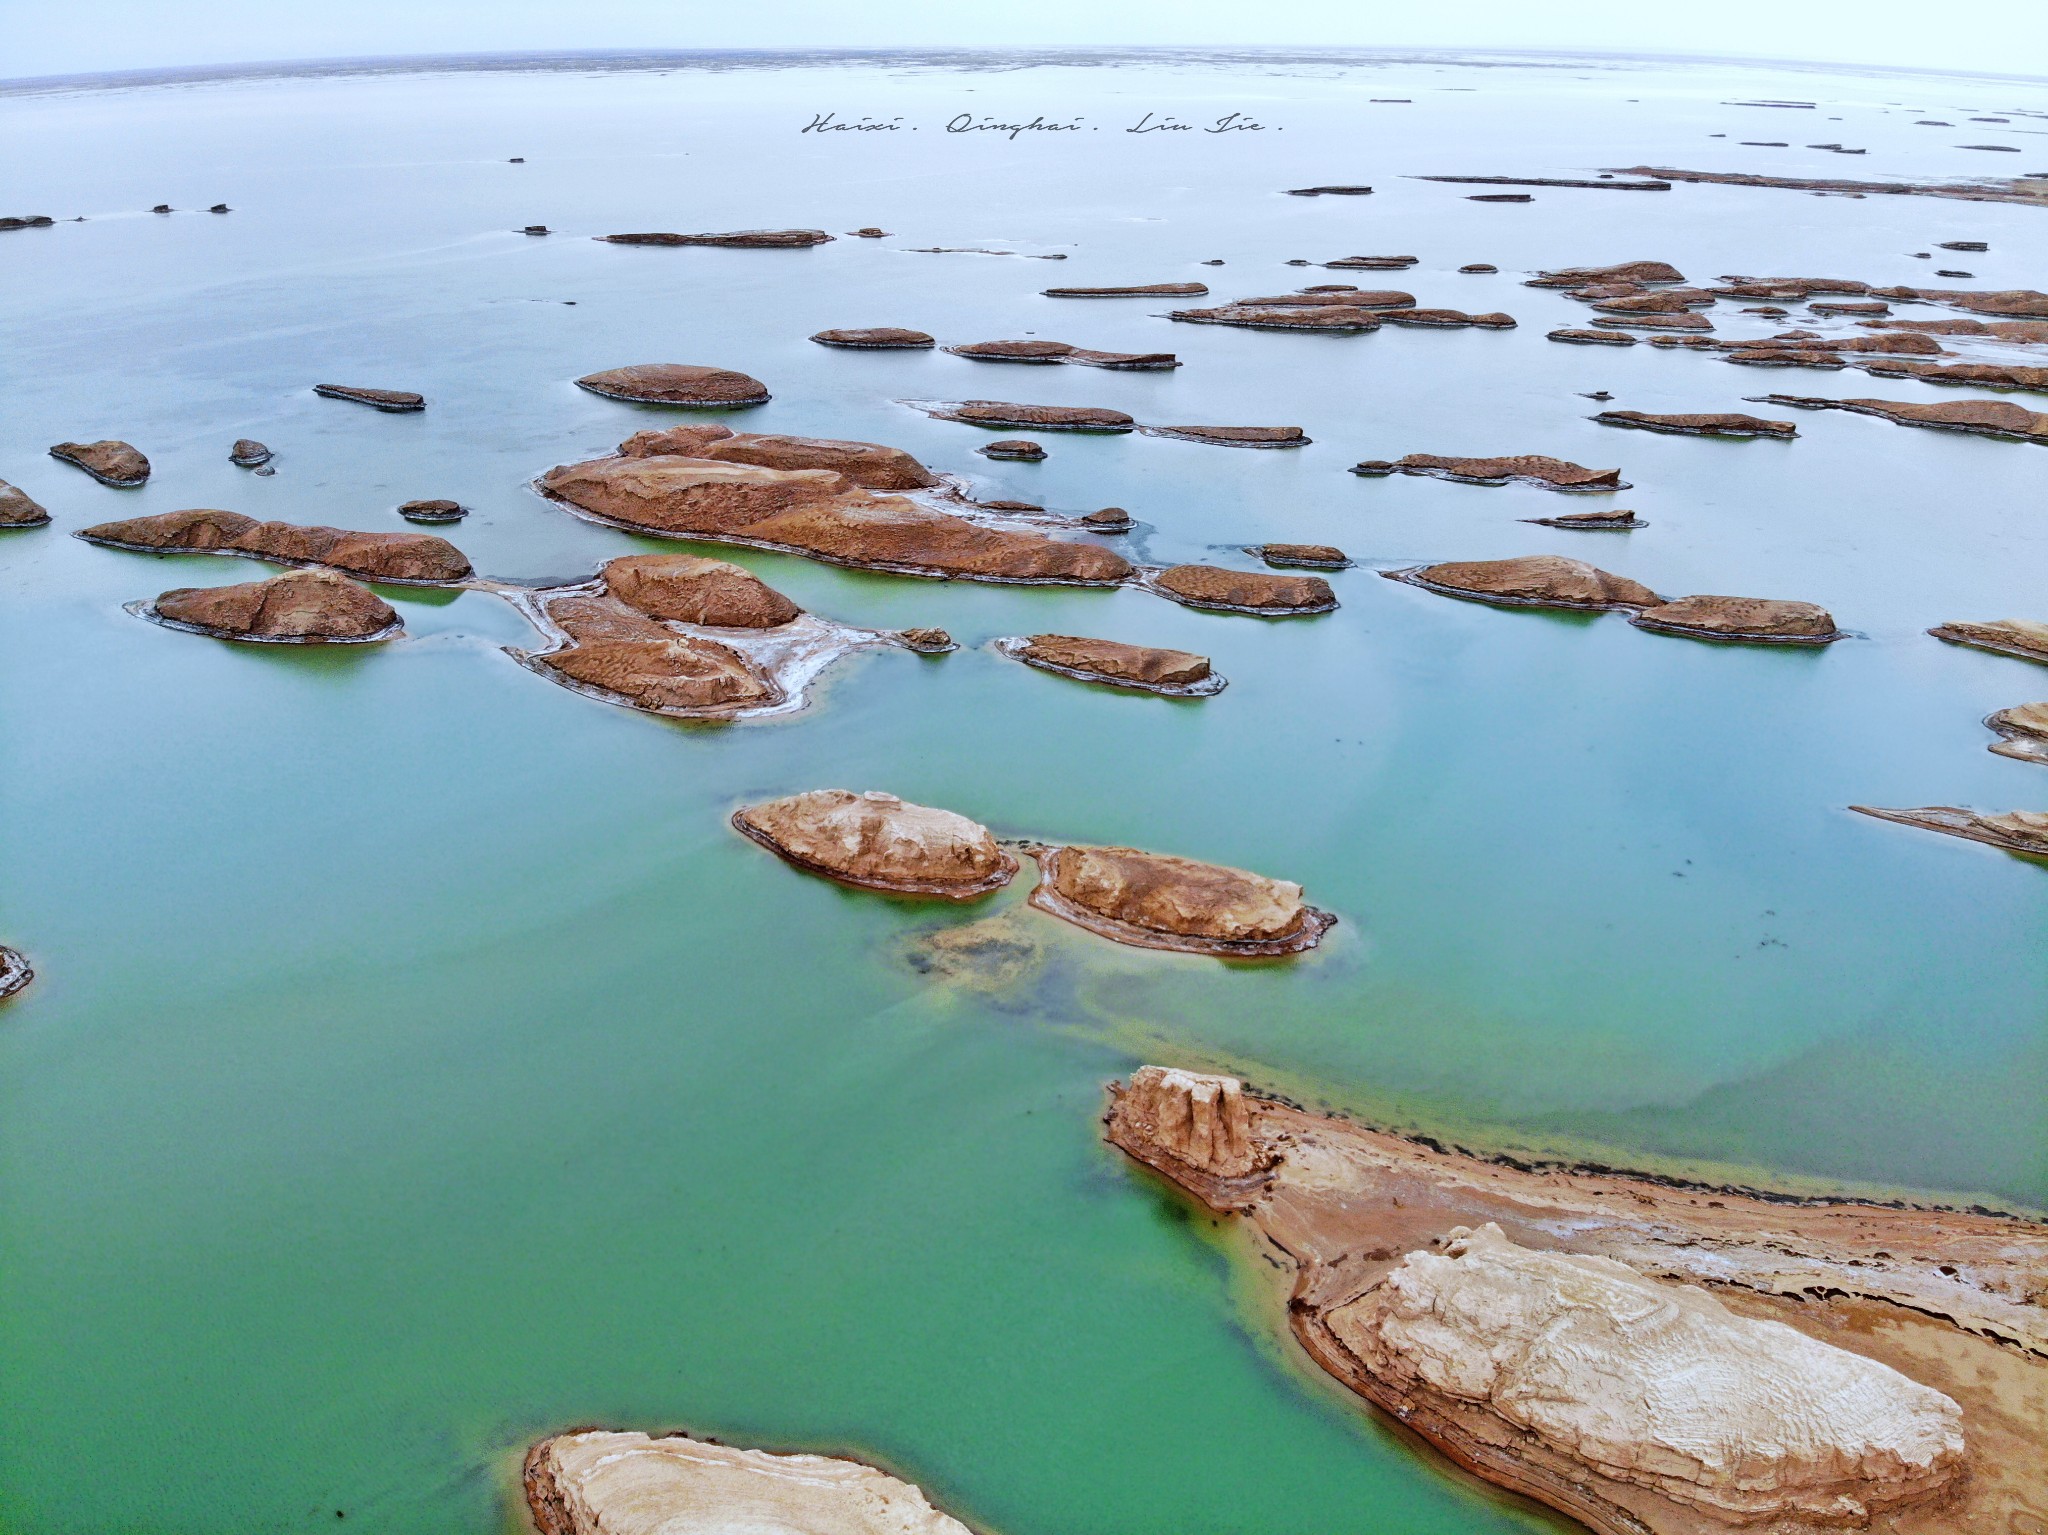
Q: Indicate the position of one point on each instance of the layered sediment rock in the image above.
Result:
(688, 589)
(110, 461)
(870, 465)
(1303, 556)
(2023, 192)
(1019, 448)
(1579, 337)
(815, 512)
(1618, 520)
(1373, 263)
(1245, 591)
(1013, 351)
(1527, 468)
(1987, 418)
(418, 558)
(1174, 673)
(1624, 271)
(1158, 901)
(1045, 418)
(1140, 290)
(1654, 1384)
(305, 606)
(437, 509)
(1712, 424)
(1541, 1325)
(1683, 319)
(1235, 436)
(396, 401)
(2022, 730)
(1534, 580)
(1754, 619)
(2016, 831)
(738, 239)
(880, 842)
(18, 509)
(1982, 375)
(2020, 637)
(597, 1482)
(880, 338)
(1446, 319)
(675, 383)
(1321, 317)
(247, 453)
(681, 673)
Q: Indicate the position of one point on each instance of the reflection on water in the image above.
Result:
(417, 1060)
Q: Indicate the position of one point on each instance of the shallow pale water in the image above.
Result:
(417, 1061)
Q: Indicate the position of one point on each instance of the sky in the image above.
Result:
(89, 36)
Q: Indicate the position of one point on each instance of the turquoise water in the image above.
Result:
(418, 1062)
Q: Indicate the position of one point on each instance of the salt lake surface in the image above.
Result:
(419, 1063)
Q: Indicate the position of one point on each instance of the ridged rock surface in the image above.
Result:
(676, 383)
(603, 1483)
(1201, 1120)
(674, 672)
(1743, 617)
(18, 509)
(398, 400)
(2012, 636)
(1714, 424)
(1069, 418)
(1213, 586)
(692, 590)
(2017, 831)
(373, 556)
(1142, 664)
(110, 461)
(1338, 317)
(878, 840)
(870, 465)
(1625, 271)
(1656, 1384)
(1540, 579)
(888, 338)
(1179, 896)
(1997, 418)
(1557, 472)
(304, 604)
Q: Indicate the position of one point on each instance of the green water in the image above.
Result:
(417, 1061)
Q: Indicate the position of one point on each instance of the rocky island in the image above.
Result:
(111, 461)
(1043, 418)
(879, 842)
(1714, 424)
(1646, 1356)
(688, 385)
(880, 338)
(1986, 418)
(2016, 831)
(18, 509)
(1531, 581)
(1615, 521)
(1525, 469)
(1139, 668)
(1158, 901)
(2022, 732)
(304, 607)
(1747, 620)
(738, 239)
(396, 401)
(411, 559)
(2021, 637)
(602, 1482)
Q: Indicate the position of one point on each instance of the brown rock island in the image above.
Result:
(1988, 418)
(1373, 263)
(1531, 581)
(1055, 352)
(599, 1482)
(738, 239)
(1580, 337)
(1981, 375)
(248, 453)
(1526, 469)
(688, 589)
(303, 607)
(2016, 831)
(1140, 668)
(879, 842)
(111, 461)
(395, 401)
(1648, 1357)
(1044, 418)
(2022, 731)
(1446, 319)
(880, 338)
(433, 510)
(1621, 272)
(1245, 591)
(682, 384)
(1235, 436)
(2020, 637)
(1715, 424)
(412, 559)
(686, 675)
(1158, 901)
(18, 509)
(869, 465)
(1302, 556)
(1139, 290)
(1750, 620)
(1615, 521)
(1020, 449)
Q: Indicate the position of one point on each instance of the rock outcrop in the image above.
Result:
(18, 509)
(1989, 418)
(248, 453)
(816, 512)
(1235, 436)
(680, 673)
(1534, 580)
(880, 842)
(1624, 271)
(1201, 1121)
(1021, 449)
(737, 239)
(877, 338)
(1981, 375)
(1579, 337)
(397, 401)
(110, 461)
(302, 607)
(434, 509)
(1713, 424)
(414, 558)
(1619, 520)
(1013, 351)
(1447, 319)
(675, 383)
(1245, 591)
(1349, 318)
(2022, 731)
(1140, 290)
(1173, 673)
(1757, 620)
(1528, 469)
(1158, 901)
(2020, 637)
(597, 1482)
(1302, 556)
(1655, 1384)
(870, 465)
(2017, 831)
(688, 589)
(1044, 418)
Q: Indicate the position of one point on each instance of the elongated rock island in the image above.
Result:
(408, 558)
(1142, 668)
(2021, 637)
(1752, 620)
(18, 509)
(302, 607)
(879, 842)
(604, 1482)
(1525, 468)
(1533, 581)
(688, 385)
(110, 461)
(1648, 1357)
(2016, 831)
(1159, 901)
